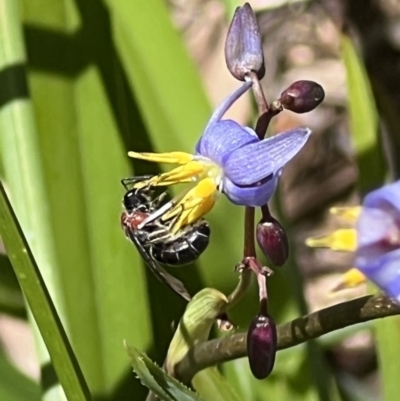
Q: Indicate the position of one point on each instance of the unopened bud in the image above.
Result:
(302, 96)
(272, 240)
(243, 46)
(261, 346)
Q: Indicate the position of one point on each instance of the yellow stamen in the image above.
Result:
(182, 173)
(348, 213)
(186, 173)
(168, 158)
(352, 278)
(195, 204)
(339, 240)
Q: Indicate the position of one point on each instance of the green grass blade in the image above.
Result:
(364, 120)
(163, 78)
(387, 333)
(80, 101)
(364, 129)
(21, 157)
(11, 299)
(211, 385)
(42, 307)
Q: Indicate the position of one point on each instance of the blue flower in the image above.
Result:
(230, 159)
(375, 240)
(378, 239)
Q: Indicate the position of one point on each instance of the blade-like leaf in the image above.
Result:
(11, 299)
(42, 307)
(166, 85)
(372, 168)
(211, 385)
(14, 386)
(83, 110)
(364, 121)
(164, 386)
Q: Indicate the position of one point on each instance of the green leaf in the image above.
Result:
(157, 381)
(83, 113)
(364, 119)
(387, 333)
(38, 298)
(11, 299)
(211, 385)
(195, 324)
(364, 127)
(14, 386)
(167, 87)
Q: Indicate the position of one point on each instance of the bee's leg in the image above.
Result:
(156, 202)
(156, 214)
(129, 181)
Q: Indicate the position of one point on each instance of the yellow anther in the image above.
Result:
(352, 278)
(349, 214)
(200, 210)
(194, 211)
(339, 240)
(203, 189)
(182, 174)
(195, 204)
(185, 172)
(168, 158)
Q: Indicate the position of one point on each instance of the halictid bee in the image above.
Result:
(143, 226)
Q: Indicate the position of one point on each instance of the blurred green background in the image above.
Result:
(82, 82)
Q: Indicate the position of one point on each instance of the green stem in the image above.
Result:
(290, 334)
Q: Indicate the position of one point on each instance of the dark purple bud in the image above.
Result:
(272, 239)
(302, 96)
(243, 46)
(261, 346)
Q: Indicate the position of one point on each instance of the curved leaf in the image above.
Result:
(165, 387)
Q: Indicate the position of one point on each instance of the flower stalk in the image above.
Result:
(290, 334)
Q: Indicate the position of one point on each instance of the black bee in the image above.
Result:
(142, 224)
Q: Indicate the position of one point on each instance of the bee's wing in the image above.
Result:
(157, 270)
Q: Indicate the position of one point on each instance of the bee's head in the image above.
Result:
(137, 200)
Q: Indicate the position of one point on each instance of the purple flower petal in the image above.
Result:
(222, 138)
(378, 227)
(250, 196)
(253, 162)
(227, 103)
(386, 197)
(374, 226)
(384, 271)
(378, 236)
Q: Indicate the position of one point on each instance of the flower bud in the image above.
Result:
(302, 96)
(243, 46)
(272, 240)
(261, 346)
